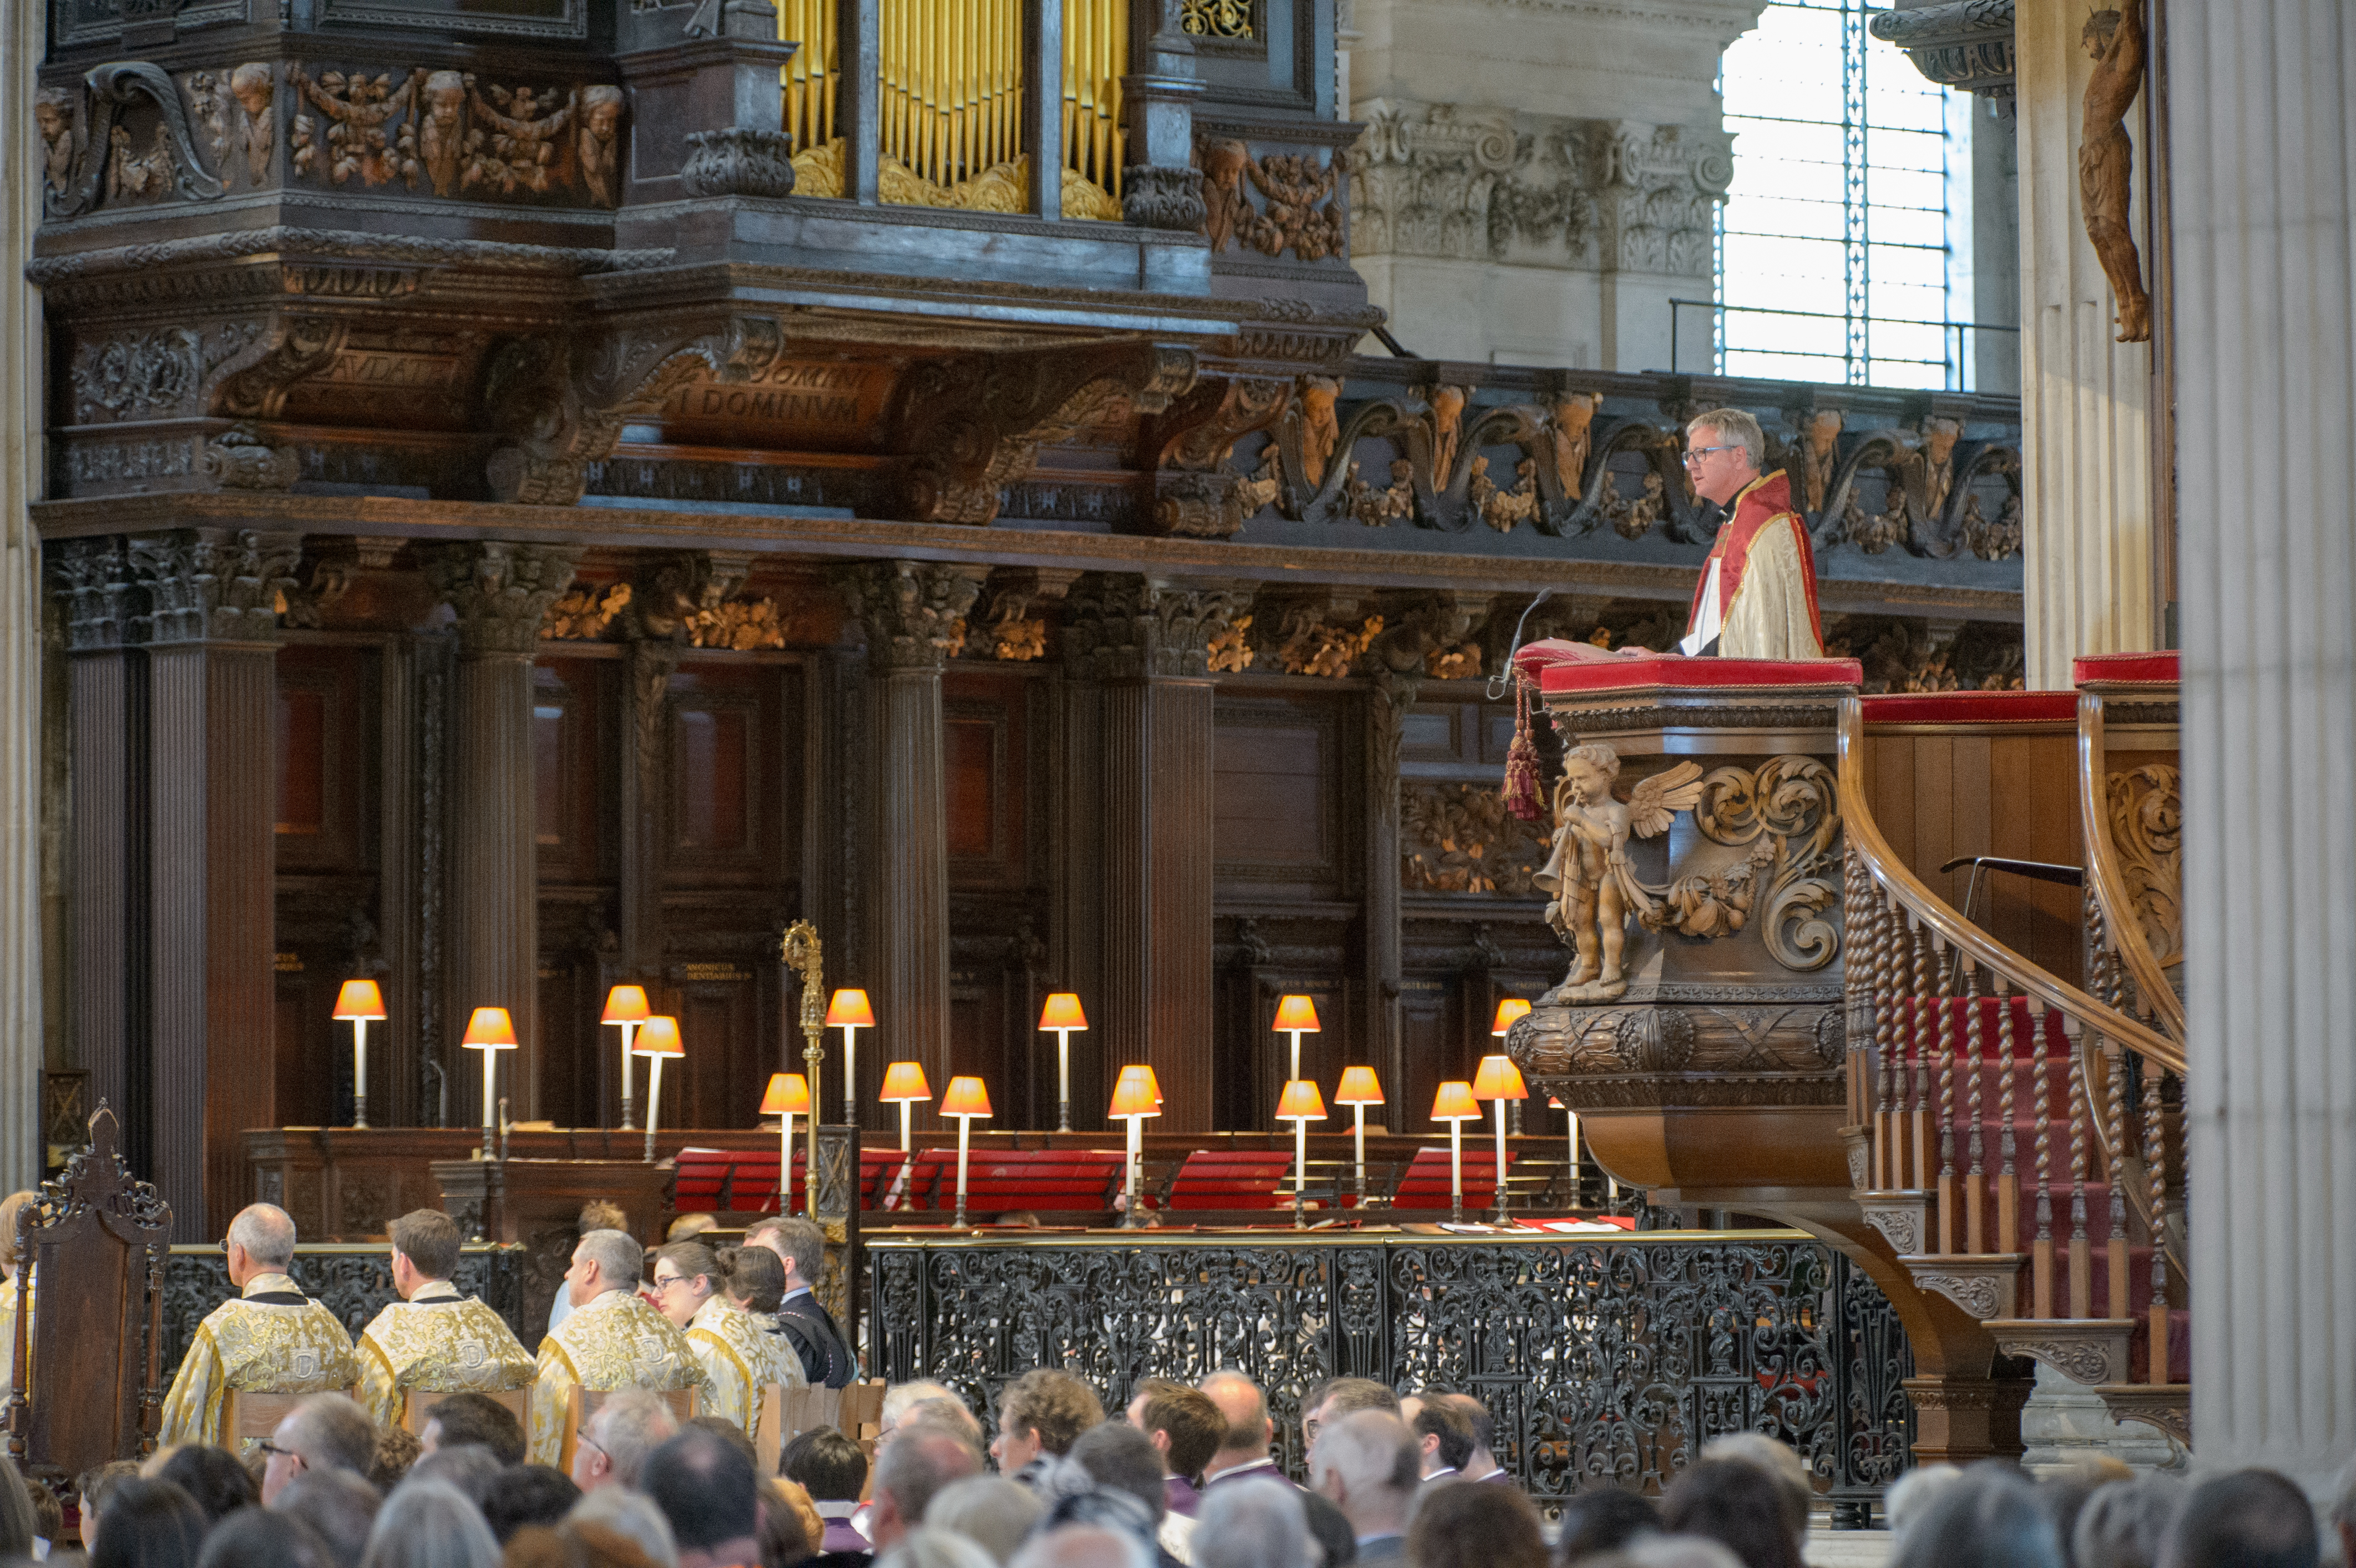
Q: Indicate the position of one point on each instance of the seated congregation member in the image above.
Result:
(1123, 1460)
(712, 1299)
(804, 1321)
(1329, 1401)
(831, 1467)
(477, 1419)
(923, 1459)
(337, 1504)
(1039, 1416)
(990, 1511)
(434, 1339)
(614, 1443)
(1475, 1526)
(1483, 1465)
(270, 1338)
(596, 1215)
(10, 1207)
(1740, 1506)
(1185, 1428)
(215, 1477)
(326, 1432)
(709, 1494)
(1253, 1523)
(2243, 1519)
(148, 1523)
(1242, 1453)
(1368, 1464)
(528, 1495)
(612, 1340)
(430, 1524)
(1443, 1435)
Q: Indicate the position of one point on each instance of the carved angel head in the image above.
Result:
(1589, 771)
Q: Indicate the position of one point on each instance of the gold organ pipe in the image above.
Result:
(951, 81)
(809, 77)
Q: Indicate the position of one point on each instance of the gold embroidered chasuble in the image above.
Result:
(438, 1342)
(7, 1335)
(616, 1341)
(269, 1346)
(738, 1356)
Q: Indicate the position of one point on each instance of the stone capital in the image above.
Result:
(212, 585)
(914, 611)
(500, 592)
(91, 580)
(1120, 627)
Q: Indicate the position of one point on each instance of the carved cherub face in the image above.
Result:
(604, 115)
(50, 119)
(1590, 784)
(445, 95)
(250, 84)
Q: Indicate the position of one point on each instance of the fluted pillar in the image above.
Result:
(21, 975)
(1145, 644)
(2263, 98)
(2089, 547)
(501, 594)
(211, 627)
(914, 615)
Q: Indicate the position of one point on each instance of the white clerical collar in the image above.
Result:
(1261, 1464)
(437, 1290)
(268, 1283)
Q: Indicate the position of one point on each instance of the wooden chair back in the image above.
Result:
(417, 1404)
(92, 1254)
(769, 1436)
(248, 1415)
(583, 1403)
(860, 1417)
(801, 1410)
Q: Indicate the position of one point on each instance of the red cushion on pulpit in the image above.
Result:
(1559, 669)
(2143, 669)
(1973, 708)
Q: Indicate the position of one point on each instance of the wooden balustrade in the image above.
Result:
(1930, 993)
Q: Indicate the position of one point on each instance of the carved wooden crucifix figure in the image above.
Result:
(2106, 159)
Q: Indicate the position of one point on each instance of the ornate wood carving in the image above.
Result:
(105, 157)
(1459, 838)
(914, 612)
(2146, 820)
(1297, 210)
(1187, 448)
(502, 592)
(1120, 626)
(2106, 160)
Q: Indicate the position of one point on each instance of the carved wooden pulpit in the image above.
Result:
(89, 1322)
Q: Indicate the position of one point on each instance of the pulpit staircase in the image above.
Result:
(2015, 1135)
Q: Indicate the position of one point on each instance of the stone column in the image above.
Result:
(2085, 400)
(915, 614)
(2263, 198)
(1146, 642)
(211, 627)
(500, 593)
(22, 47)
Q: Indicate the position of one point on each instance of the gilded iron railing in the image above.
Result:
(1606, 1360)
(1956, 1042)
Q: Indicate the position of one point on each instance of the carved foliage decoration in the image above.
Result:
(462, 136)
(1459, 838)
(501, 592)
(214, 584)
(1122, 626)
(1296, 212)
(914, 612)
(2146, 820)
(1787, 814)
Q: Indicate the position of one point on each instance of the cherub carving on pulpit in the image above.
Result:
(1592, 884)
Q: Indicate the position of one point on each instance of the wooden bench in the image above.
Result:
(1231, 1178)
(417, 1404)
(1424, 1183)
(722, 1181)
(1005, 1181)
(855, 1410)
(249, 1416)
(580, 1403)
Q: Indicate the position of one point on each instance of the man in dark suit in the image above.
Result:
(808, 1326)
(1369, 1465)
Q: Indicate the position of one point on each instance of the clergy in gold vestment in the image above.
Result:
(272, 1339)
(612, 1340)
(1757, 595)
(434, 1339)
(9, 1277)
(722, 1302)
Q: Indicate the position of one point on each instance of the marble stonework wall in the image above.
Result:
(1539, 177)
(20, 619)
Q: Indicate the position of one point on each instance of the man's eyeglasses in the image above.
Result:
(267, 1446)
(1699, 453)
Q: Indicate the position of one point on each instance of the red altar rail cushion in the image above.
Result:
(1047, 1180)
(1557, 668)
(1973, 708)
(1223, 1178)
(1424, 1183)
(711, 1180)
(2150, 669)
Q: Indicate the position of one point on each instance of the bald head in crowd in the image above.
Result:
(260, 1241)
(924, 1457)
(1369, 1465)
(1245, 1411)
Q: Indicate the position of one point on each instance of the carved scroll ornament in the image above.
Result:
(105, 154)
(2146, 818)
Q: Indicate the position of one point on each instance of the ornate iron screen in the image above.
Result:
(1603, 1361)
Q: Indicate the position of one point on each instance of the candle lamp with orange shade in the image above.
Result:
(1296, 1016)
(657, 1039)
(626, 1008)
(1359, 1088)
(1455, 1106)
(359, 1001)
(1497, 1082)
(850, 1013)
(1510, 1010)
(904, 1084)
(1136, 1095)
(1061, 1016)
(967, 1098)
(1300, 1105)
(489, 1031)
(788, 1097)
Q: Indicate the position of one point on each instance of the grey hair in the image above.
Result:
(2123, 1523)
(619, 1258)
(1252, 1524)
(339, 1505)
(990, 1511)
(1988, 1518)
(631, 1424)
(430, 1524)
(1369, 1448)
(633, 1516)
(1734, 425)
(331, 1430)
(266, 1233)
(1078, 1546)
(1910, 1496)
(934, 1548)
(1779, 1462)
(900, 1396)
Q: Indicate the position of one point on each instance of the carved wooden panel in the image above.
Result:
(721, 1009)
(327, 784)
(735, 762)
(1286, 789)
(576, 766)
(987, 765)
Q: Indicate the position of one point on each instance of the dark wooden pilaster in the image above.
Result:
(915, 614)
(1145, 642)
(211, 631)
(91, 578)
(500, 593)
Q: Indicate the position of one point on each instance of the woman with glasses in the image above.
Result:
(721, 1301)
